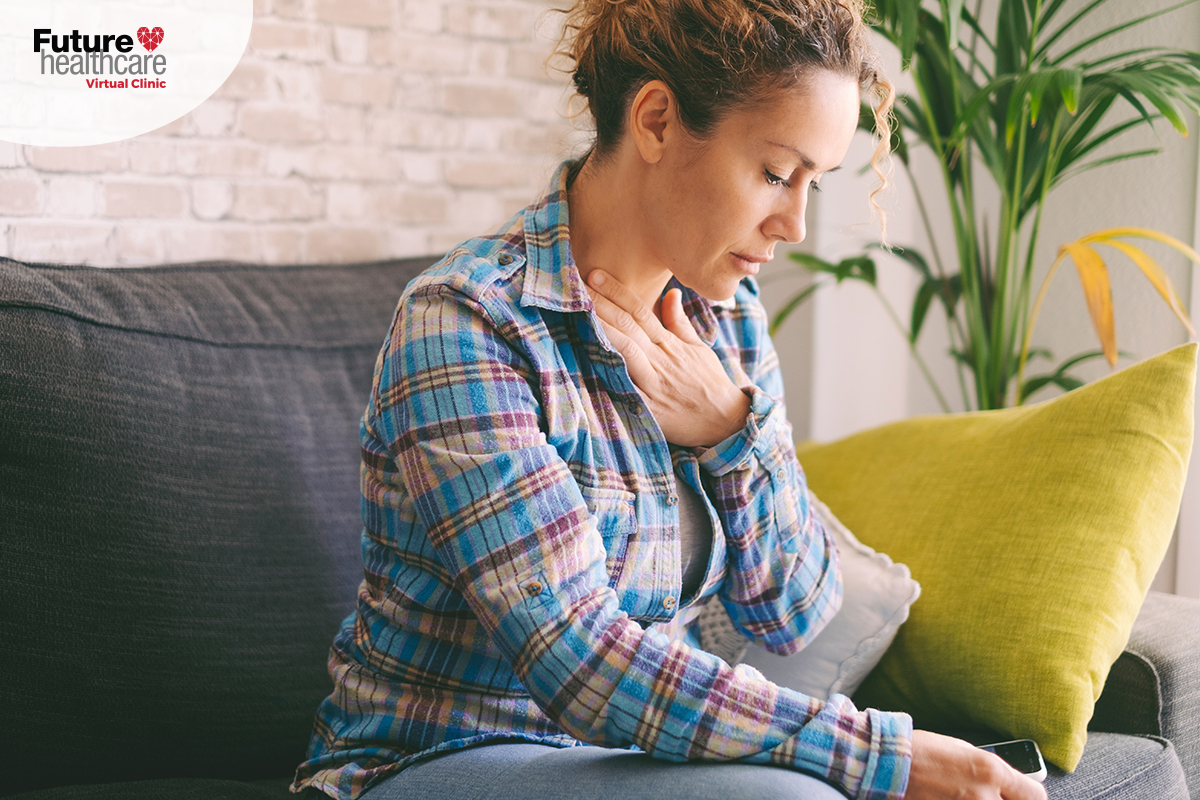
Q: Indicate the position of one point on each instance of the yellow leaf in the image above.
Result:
(1098, 293)
(1144, 233)
(1157, 277)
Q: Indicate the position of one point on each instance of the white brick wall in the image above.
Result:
(351, 129)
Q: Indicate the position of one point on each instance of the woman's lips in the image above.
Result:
(749, 263)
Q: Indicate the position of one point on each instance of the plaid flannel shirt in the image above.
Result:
(521, 542)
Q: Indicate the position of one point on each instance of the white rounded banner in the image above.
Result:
(78, 73)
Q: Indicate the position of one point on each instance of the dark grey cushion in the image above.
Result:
(1116, 766)
(179, 510)
(166, 789)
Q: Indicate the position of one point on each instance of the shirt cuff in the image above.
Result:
(734, 451)
(888, 765)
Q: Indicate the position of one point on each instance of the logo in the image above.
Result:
(150, 39)
(91, 55)
(80, 72)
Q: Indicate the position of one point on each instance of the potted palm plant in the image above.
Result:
(1016, 105)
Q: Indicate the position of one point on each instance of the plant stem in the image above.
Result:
(1037, 307)
(912, 347)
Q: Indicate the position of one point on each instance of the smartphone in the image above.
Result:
(1023, 755)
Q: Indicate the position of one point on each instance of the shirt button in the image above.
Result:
(672, 499)
(635, 407)
(668, 603)
(505, 259)
(533, 588)
(779, 476)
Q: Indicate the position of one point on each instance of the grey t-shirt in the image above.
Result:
(696, 534)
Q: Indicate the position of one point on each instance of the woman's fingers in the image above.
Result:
(641, 371)
(619, 296)
(675, 320)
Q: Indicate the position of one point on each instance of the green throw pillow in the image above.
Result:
(1034, 532)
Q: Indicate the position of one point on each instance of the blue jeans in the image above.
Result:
(539, 772)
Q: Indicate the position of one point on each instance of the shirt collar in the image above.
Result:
(553, 282)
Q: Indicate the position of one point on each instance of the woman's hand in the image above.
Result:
(678, 375)
(944, 767)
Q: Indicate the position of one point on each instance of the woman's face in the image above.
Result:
(725, 203)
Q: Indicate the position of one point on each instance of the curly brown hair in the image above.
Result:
(717, 56)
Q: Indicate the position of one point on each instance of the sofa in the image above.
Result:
(180, 524)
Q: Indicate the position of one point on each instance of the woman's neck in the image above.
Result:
(607, 213)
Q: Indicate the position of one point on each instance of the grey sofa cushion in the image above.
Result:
(179, 510)
(1120, 767)
(167, 789)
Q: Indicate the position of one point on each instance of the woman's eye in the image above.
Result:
(813, 187)
(775, 180)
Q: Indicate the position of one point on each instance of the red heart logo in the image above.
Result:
(150, 39)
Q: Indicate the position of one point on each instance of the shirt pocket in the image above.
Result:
(616, 518)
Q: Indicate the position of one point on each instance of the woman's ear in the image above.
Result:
(653, 120)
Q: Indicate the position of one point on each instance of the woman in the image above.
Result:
(576, 436)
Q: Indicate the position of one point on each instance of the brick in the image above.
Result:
(346, 202)
(97, 158)
(351, 45)
(297, 41)
(423, 167)
(63, 242)
(340, 245)
(347, 162)
(528, 61)
(547, 103)
(537, 138)
(211, 199)
(129, 198)
(487, 59)
(483, 134)
(361, 87)
(152, 156)
(71, 196)
(218, 158)
(418, 93)
(140, 245)
(394, 204)
(292, 9)
(482, 99)
(414, 130)
(21, 193)
(381, 48)
(214, 117)
(10, 155)
(405, 241)
(422, 15)
(248, 81)
(211, 241)
(371, 13)
(178, 127)
(346, 123)
(473, 212)
(297, 83)
(284, 200)
(491, 21)
(281, 246)
(283, 162)
(441, 55)
(485, 173)
(282, 124)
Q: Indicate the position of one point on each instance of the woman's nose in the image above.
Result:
(787, 223)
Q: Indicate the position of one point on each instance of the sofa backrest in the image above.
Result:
(179, 510)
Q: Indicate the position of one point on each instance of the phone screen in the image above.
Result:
(1022, 755)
